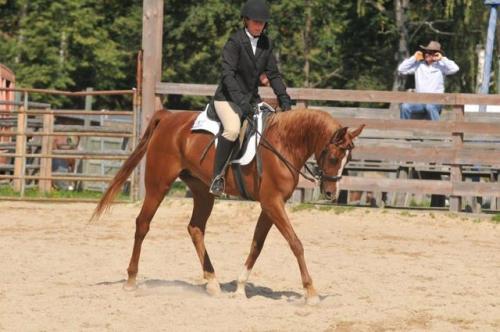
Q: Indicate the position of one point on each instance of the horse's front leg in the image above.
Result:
(261, 230)
(275, 209)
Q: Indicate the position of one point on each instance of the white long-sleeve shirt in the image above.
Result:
(428, 78)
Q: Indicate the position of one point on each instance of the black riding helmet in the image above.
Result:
(256, 10)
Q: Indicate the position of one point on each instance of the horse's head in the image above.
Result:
(333, 158)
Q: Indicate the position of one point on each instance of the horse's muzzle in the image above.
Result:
(330, 196)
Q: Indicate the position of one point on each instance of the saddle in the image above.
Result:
(244, 152)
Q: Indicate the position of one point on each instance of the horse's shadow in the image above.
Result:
(228, 288)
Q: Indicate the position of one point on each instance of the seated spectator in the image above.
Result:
(430, 66)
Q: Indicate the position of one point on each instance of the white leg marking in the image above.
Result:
(213, 287)
(242, 279)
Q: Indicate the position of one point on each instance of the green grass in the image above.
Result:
(407, 214)
(178, 189)
(336, 209)
(421, 204)
(7, 191)
(327, 208)
(496, 218)
(302, 207)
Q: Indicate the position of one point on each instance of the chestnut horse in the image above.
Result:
(173, 150)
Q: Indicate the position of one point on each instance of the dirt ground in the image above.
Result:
(375, 269)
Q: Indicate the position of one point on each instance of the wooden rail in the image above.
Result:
(370, 96)
(19, 120)
(71, 93)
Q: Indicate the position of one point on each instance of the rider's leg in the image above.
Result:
(231, 125)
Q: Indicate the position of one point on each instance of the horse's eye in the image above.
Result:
(334, 160)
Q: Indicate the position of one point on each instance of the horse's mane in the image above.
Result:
(293, 127)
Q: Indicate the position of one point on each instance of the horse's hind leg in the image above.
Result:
(261, 230)
(155, 192)
(203, 203)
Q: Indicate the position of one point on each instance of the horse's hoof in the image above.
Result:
(213, 287)
(240, 291)
(312, 300)
(129, 286)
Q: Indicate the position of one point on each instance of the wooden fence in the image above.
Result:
(458, 147)
(45, 132)
(452, 152)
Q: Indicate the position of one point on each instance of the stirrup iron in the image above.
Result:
(218, 185)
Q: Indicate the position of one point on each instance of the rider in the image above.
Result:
(246, 55)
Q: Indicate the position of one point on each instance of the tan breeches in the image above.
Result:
(230, 120)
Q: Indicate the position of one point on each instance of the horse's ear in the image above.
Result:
(355, 133)
(339, 135)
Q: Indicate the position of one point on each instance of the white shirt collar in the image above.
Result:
(253, 40)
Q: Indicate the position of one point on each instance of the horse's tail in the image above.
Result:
(128, 166)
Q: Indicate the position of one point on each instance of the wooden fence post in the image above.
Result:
(136, 126)
(152, 41)
(20, 160)
(456, 170)
(85, 141)
(46, 163)
(495, 201)
(134, 181)
(301, 104)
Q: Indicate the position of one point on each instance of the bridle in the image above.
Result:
(317, 173)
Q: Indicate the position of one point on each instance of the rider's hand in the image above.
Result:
(419, 56)
(286, 107)
(437, 56)
(264, 81)
(285, 103)
(246, 108)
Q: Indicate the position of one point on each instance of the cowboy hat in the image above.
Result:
(433, 46)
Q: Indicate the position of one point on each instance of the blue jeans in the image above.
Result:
(420, 111)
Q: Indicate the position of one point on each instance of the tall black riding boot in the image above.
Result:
(222, 154)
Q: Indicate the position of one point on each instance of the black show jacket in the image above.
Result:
(241, 70)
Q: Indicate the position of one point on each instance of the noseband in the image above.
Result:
(318, 173)
(318, 170)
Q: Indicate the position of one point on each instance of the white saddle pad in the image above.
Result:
(202, 122)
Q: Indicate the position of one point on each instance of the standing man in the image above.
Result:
(430, 67)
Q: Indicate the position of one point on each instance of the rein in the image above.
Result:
(313, 176)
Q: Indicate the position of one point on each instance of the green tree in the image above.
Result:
(307, 40)
(194, 35)
(74, 44)
(90, 43)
